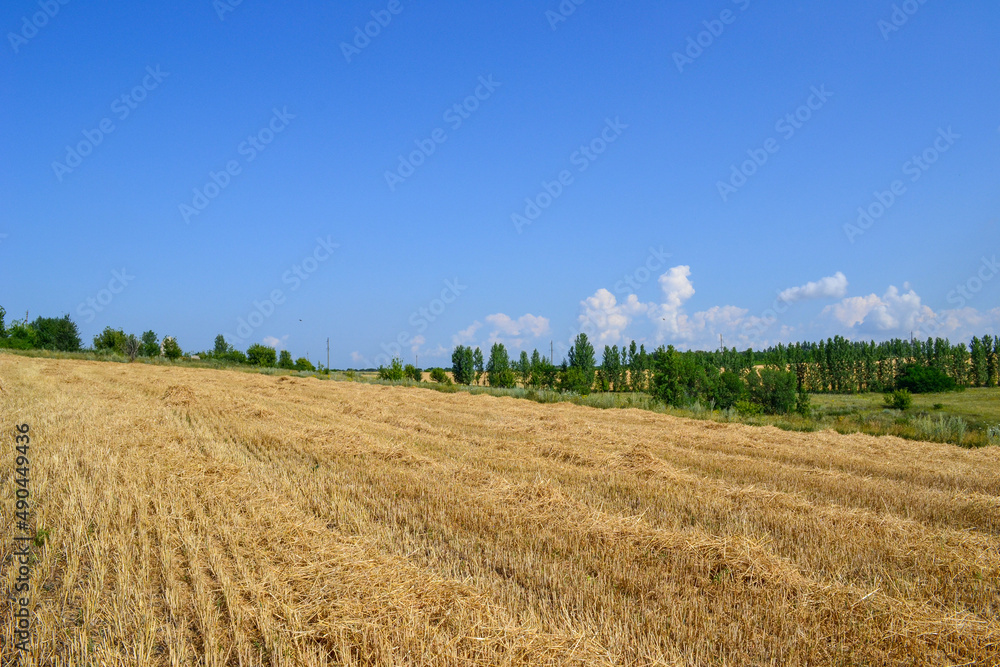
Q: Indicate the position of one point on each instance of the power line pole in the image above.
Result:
(328, 355)
(551, 355)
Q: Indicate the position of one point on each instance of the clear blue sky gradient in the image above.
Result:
(657, 185)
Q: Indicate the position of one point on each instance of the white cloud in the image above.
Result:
(893, 312)
(358, 358)
(526, 324)
(834, 286)
(604, 319)
(416, 342)
(467, 334)
(276, 343)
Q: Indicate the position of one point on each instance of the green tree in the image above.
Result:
(413, 373)
(285, 360)
(665, 383)
(498, 370)
(110, 340)
(394, 371)
(580, 373)
(303, 364)
(171, 350)
(524, 368)
(261, 355)
(773, 389)
(477, 362)
(57, 333)
(440, 376)
(3, 329)
(463, 365)
(20, 336)
(221, 346)
(150, 344)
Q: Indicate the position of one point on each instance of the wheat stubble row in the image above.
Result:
(213, 517)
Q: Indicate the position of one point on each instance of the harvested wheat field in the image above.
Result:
(221, 518)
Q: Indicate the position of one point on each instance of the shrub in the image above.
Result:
(774, 390)
(393, 372)
(993, 435)
(942, 428)
(111, 340)
(171, 350)
(20, 336)
(745, 408)
(900, 399)
(303, 364)
(261, 355)
(413, 373)
(919, 379)
(439, 375)
(803, 403)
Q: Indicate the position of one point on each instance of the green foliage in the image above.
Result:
(133, 346)
(150, 345)
(901, 399)
(285, 360)
(524, 368)
(665, 383)
(728, 389)
(221, 346)
(261, 355)
(3, 328)
(477, 363)
(394, 371)
(440, 376)
(20, 336)
(580, 376)
(919, 379)
(172, 351)
(303, 364)
(803, 403)
(993, 435)
(412, 372)
(57, 334)
(110, 340)
(498, 370)
(745, 408)
(773, 389)
(463, 367)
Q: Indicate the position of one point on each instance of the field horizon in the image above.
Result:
(197, 516)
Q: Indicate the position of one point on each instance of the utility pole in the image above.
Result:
(328, 355)
(551, 355)
(417, 357)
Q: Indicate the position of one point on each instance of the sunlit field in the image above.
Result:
(194, 516)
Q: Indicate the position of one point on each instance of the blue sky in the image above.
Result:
(697, 169)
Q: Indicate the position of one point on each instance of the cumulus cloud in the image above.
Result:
(504, 325)
(604, 319)
(415, 343)
(893, 312)
(834, 286)
(358, 358)
(467, 334)
(276, 343)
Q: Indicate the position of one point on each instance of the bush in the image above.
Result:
(303, 364)
(745, 408)
(900, 399)
(919, 379)
(803, 403)
(439, 375)
(394, 372)
(993, 435)
(261, 355)
(20, 336)
(110, 340)
(942, 428)
(171, 350)
(413, 373)
(774, 390)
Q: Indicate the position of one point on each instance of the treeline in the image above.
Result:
(776, 380)
(62, 335)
